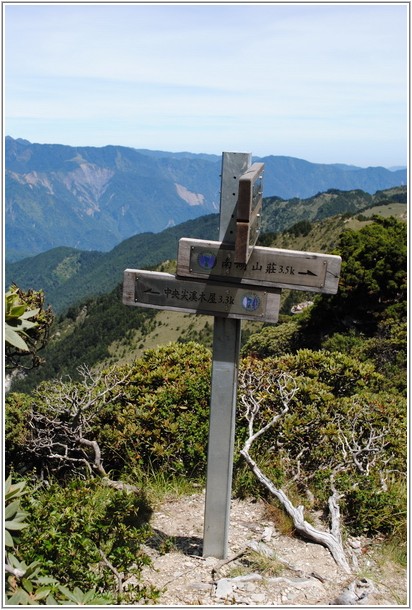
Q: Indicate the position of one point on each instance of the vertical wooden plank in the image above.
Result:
(233, 166)
(226, 346)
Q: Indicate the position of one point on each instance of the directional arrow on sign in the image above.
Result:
(151, 291)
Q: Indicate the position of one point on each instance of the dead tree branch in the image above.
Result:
(62, 424)
(253, 396)
(116, 573)
(363, 444)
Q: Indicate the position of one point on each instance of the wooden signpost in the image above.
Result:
(231, 279)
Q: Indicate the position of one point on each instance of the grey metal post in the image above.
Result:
(226, 346)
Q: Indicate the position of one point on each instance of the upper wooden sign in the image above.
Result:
(248, 212)
(164, 291)
(297, 270)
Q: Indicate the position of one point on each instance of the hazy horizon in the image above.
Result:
(179, 152)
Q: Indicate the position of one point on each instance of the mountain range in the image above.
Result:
(92, 198)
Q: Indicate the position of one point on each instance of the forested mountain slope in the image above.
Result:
(101, 329)
(68, 275)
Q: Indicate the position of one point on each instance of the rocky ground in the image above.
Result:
(263, 567)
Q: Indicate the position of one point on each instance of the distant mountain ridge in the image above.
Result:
(92, 198)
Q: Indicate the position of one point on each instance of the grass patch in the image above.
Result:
(264, 565)
(394, 550)
(280, 519)
(160, 487)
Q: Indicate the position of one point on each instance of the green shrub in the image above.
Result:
(369, 511)
(273, 340)
(161, 421)
(342, 374)
(387, 350)
(82, 529)
(17, 410)
(29, 584)
(373, 278)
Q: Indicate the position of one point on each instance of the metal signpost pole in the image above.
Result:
(226, 346)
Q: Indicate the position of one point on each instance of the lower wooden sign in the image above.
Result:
(164, 291)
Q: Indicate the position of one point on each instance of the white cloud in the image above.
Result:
(292, 71)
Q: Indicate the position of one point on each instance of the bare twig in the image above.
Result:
(115, 572)
(224, 562)
(61, 427)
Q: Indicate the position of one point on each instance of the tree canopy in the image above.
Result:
(373, 277)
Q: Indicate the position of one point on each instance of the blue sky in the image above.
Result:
(323, 82)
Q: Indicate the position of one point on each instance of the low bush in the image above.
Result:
(273, 340)
(343, 423)
(89, 535)
(161, 421)
(29, 583)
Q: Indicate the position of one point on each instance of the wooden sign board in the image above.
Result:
(267, 267)
(248, 212)
(164, 291)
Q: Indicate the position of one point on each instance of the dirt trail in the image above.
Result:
(302, 574)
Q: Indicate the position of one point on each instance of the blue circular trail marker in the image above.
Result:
(251, 302)
(207, 260)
